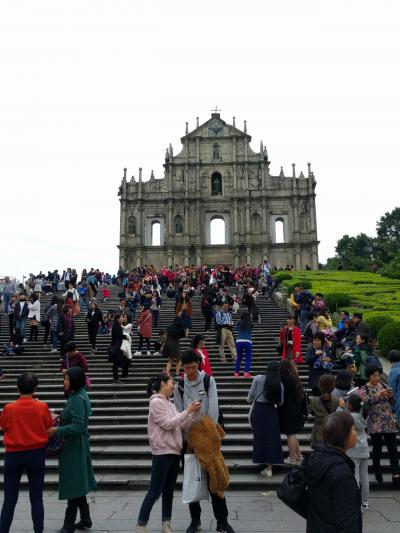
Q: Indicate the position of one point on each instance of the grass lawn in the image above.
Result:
(370, 293)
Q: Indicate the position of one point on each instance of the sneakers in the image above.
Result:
(247, 375)
(225, 529)
(156, 353)
(194, 527)
(2, 374)
(236, 375)
(299, 460)
(290, 461)
(266, 472)
(141, 529)
(166, 527)
(137, 353)
(365, 506)
(148, 352)
(53, 350)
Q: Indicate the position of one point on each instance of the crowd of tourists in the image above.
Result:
(345, 394)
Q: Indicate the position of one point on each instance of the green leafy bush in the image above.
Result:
(305, 283)
(335, 300)
(389, 337)
(377, 322)
(282, 276)
(393, 269)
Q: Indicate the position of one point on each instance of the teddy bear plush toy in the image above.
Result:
(204, 438)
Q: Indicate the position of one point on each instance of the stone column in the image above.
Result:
(170, 257)
(198, 257)
(235, 221)
(234, 165)
(237, 257)
(170, 222)
(247, 218)
(248, 255)
(298, 261)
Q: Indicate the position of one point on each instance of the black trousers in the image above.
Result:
(208, 319)
(92, 331)
(11, 323)
(219, 506)
(124, 364)
(390, 442)
(46, 332)
(72, 508)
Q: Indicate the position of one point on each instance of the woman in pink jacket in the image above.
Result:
(145, 323)
(165, 427)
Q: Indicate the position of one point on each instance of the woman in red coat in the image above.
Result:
(145, 322)
(198, 345)
(290, 337)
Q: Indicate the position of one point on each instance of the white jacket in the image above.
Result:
(34, 310)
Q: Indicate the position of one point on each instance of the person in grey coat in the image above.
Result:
(360, 453)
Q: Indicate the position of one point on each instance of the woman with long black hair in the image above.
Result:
(292, 413)
(266, 393)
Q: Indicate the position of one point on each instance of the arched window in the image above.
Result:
(178, 224)
(279, 231)
(155, 233)
(217, 230)
(132, 225)
(216, 183)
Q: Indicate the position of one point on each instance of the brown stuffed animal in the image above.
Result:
(205, 440)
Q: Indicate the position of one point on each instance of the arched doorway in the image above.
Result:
(279, 231)
(155, 233)
(217, 230)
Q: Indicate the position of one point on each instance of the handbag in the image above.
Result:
(293, 491)
(55, 445)
(195, 482)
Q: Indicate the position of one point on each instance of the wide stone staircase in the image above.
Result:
(118, 427)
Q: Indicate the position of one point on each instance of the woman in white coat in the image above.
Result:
(34, 316)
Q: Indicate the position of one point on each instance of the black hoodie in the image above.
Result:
(335, 503)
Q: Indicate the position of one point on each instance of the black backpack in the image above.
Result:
(206, 381)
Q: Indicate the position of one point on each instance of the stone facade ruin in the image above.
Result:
(217, 175)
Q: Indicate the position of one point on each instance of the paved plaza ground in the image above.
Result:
(249, 512)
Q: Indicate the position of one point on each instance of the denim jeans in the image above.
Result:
(243, 348)
(164, 472)
(155, 313)
(20, 323)
(54, 339)
(15, 463)
(304, 314)
(6, 300)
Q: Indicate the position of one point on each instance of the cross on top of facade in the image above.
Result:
(216, 110)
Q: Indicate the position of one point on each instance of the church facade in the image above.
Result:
(218, 177)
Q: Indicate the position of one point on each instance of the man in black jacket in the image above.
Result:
(21, 313)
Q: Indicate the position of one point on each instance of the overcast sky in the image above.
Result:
(90, 87)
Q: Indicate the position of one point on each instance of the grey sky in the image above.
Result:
(91, 87)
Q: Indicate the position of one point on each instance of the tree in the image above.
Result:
(388, 226)
(356, 253)
(388, 230)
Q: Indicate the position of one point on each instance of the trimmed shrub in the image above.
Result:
(389, 337)
(335, 300)
(305, 283)
(392, 270)
(282, 276)
(377, 322)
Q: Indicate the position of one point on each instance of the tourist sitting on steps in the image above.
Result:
(194, 390)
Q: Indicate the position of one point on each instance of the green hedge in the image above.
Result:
(282, 276)
(335, 300)
(377, 322)
(389, 337)
(305, 283)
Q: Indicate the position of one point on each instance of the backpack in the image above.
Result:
(308, 334)
(206, 382)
